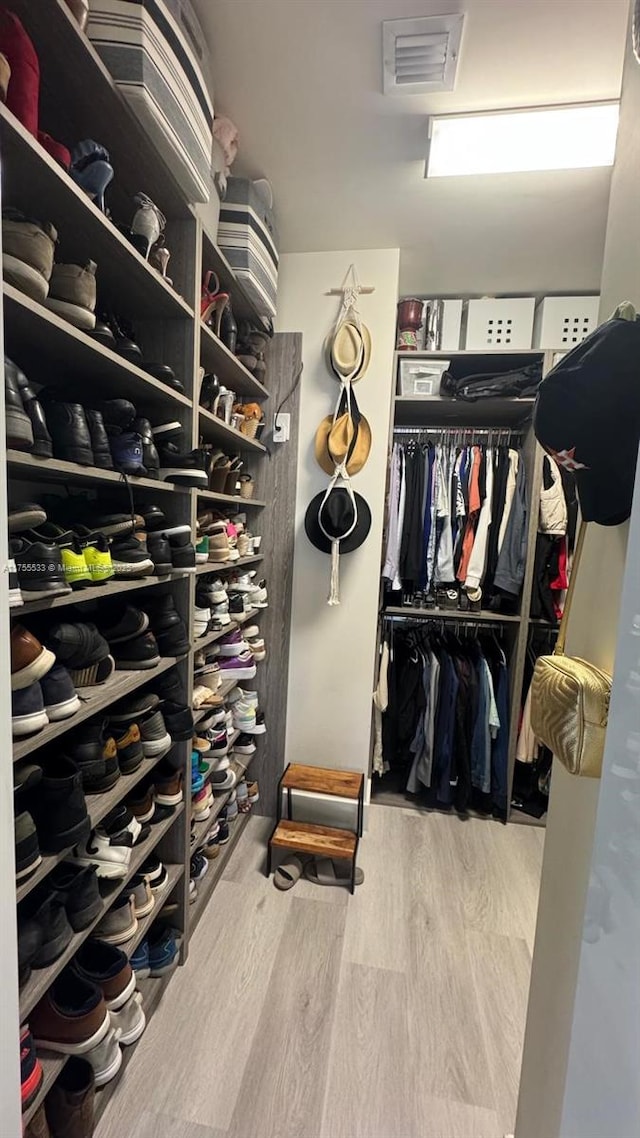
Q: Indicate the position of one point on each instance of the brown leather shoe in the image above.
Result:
(168, 790)
(30, 661)
(70, 1102)
(72, 1017)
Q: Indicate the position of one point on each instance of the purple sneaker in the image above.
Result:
(240, 667)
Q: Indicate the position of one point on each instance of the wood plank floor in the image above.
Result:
(396, 1013)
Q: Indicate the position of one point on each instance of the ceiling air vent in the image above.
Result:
(421, 55)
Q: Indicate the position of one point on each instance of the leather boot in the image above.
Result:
(70, 1102)
(42, 444)
(150, 456)
(99, 440)
(38, 1127)
(69, 430)
(17, 423)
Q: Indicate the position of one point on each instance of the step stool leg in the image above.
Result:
(269, 853)
(353, 876)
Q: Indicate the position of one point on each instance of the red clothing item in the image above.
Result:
(474, 513)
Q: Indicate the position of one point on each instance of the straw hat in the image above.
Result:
(349, 351)
(345, 435)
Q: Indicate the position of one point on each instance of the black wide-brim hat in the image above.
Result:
(337, 515)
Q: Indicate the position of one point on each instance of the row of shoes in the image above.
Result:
(48, 559)
(445, 597)
(240, 800)
(110, 436)
(225, 538)
(243, 340)
(51, 812)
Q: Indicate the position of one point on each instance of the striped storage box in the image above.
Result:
(246, 234)
(152, 48)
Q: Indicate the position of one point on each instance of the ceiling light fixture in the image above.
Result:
(506, 142)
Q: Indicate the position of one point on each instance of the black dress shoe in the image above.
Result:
(99, 440)
(165, 375)
(183, 469)
(69, 429)
(42, 445)
(160, 552)
(18, 424)
(118, 415)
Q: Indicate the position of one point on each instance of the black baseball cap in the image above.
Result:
(587, 417)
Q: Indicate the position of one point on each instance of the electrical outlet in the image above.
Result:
(281, 428)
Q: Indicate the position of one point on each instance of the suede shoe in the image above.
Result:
(72, 294)
(28, 248)
(71, 1101)
(59, 807)
(119, 923)
(129, 746)
(72, 1018)
(108, 967)
(28, 713)
(60, 697)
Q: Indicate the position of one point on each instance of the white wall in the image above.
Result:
(332, 648)
(587, 1095)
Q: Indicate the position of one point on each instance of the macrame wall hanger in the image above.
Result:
(351, 285)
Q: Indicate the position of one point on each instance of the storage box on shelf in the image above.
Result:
(561, 322)
(499, 323)
(246, 235)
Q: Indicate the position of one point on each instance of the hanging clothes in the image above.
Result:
(446, 727)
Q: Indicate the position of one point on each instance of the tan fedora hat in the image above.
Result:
(346, 435)
(349, 351)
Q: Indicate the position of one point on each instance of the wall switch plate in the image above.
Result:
(281, 428)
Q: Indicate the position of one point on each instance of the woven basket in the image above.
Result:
(246, 488)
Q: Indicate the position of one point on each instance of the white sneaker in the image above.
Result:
(244, 717)
(217, 592)
(106, 1058)
(251, 632)
(110, 855)
(233, 649)
(201, 618)
(247, 696)
(130, 1020)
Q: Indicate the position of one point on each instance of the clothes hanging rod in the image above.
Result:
(457, 618)
(489, 432)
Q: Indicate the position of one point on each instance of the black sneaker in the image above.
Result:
(183, 469)
(165, 375)
(30, 936)
(175, 641)
(150, 457)
(154, 734)
(19, 432)
(59, 808)
(179, 721)
(128, 744)
(46, 909)
(130, 710)
(160, 552)
(69, 431)
(130, 558)
(155, 521)
(137, 653)
(39, 568)
(118, 415)
(244, 744)
(26, 844)
(114, 524)
(77, 887)
(82, 650)
(61, 699)
(183, 554)
(42, 444)
(94, 752)
(125, 624)
(237, 602)
(99, 440)
(25, 515)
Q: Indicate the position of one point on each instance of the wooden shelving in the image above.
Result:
(217, 358)
(41, 979)
(204, 641)
(216, 868)
(27, 466)
(99, 593)
(214, 430)
(228, 566)
(48, 346)
(416, 412)
(231, 500)
(452, 614)
(94, 699)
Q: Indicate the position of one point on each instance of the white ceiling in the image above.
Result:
(303, 81)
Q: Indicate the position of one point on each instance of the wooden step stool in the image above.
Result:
(308, 837)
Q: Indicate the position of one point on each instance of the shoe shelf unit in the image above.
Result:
(499, 415)
(204, 641)
(78, 100)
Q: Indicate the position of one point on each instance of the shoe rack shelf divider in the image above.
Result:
(79, 100)
(498, 414)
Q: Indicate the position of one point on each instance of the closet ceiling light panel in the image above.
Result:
(420, 55)
(506, 142)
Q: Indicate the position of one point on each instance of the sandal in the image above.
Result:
(322, 871)
(288, 873)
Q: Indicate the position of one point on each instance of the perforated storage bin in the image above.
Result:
(153, 51)
(494, 323)
(564, 321)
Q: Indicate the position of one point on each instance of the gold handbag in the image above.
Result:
(570, 699)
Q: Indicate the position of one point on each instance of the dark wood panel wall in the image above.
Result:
(276, 480)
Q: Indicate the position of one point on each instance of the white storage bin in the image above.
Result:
(500, 324)
(564, 321)
(420, 378)
(451, 325)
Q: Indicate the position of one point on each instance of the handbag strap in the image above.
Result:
(562, 631)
